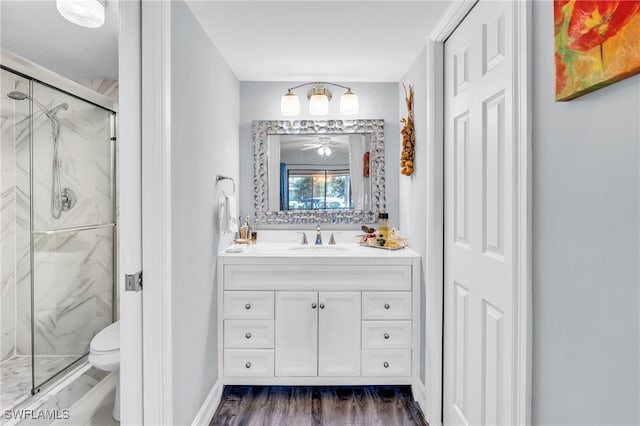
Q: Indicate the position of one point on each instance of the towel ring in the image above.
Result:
(220, 177)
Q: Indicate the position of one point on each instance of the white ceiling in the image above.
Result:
(261, 40)
(374, 41)
(36, 31)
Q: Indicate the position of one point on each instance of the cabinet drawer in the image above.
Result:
(386, 362)
(248, 305)
(248, 334)
(386, 334)
(248, 362)
(386, 305)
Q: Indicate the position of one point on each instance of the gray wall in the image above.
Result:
(585, 246)
(261, 101)
(412, 194)
(204, 108)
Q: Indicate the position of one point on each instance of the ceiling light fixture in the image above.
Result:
(86, 13)
(319, 97)
(324, 151)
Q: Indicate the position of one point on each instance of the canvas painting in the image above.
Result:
(596, 43)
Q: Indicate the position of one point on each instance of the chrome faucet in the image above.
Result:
(318, 236)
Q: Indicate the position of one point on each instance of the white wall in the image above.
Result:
(204, 109)
(261, 101)
(412, 194)
(585, 246)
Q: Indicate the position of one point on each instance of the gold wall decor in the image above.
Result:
(407, 157)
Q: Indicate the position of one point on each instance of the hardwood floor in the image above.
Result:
(321, 405)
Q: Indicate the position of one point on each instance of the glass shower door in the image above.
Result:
(73, 228)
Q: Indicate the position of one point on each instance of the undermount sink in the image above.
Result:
(318, 248)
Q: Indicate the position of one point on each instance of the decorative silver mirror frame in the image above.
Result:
(261, 131)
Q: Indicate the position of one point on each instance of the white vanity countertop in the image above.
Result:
(281, 245)
(297, 250)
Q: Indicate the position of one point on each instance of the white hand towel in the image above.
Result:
(232, 214)
(222, 215)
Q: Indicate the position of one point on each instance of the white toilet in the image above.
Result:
(105, 355)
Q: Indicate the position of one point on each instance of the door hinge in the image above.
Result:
(133, 282)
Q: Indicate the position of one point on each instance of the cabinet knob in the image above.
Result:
(248, 365)
(247, 306)
(248, 335)
(322, 306)
(386, 364)
(386, 336)
(387, 306)
(313, 306)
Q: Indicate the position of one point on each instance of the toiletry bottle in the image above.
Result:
(244, 230)
(253, 233)
(383, 225)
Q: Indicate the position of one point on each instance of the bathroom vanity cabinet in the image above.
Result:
(319, 318)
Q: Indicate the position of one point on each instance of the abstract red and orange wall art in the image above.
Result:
(596, 43)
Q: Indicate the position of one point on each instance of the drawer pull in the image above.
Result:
(322, 306)
(386, 364)
(386, 336)
(247, 306)
(313, 306)
(248, 335)
(248, 365)
(387, 306)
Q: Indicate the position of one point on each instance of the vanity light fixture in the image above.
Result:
(86, 13)
(319, 97)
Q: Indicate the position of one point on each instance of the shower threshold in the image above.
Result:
(15, 375)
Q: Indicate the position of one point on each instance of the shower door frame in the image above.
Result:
(37, 74)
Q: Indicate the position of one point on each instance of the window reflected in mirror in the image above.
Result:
(317, 190)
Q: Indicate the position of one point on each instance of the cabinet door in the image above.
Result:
(339, 334)
(296, 348)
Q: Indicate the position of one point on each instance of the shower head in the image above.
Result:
(18, 96)
(62, 107)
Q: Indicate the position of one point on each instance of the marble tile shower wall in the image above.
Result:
(14, 247)
(72, 271)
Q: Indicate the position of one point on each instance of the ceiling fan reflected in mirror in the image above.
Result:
(324, 145)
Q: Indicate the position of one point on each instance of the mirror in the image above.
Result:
(318, 171)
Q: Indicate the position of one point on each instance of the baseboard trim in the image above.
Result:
(420, 395)
(210, 405)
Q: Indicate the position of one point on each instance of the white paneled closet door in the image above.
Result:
(479, 218)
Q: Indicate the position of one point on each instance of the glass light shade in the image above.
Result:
(290, 104)
(86, 13)
(319, 105)
(324, 150)
(349, 103)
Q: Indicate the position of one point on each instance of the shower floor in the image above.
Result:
(15, 376)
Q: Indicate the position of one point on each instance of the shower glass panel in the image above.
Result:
(73, 226)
